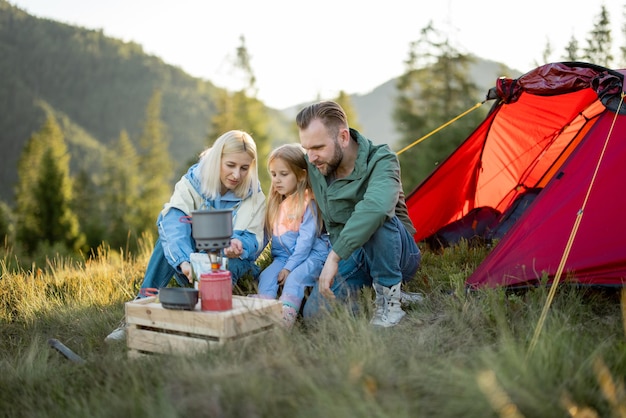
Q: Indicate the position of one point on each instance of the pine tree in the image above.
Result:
(571, 50)
(242, 110)
(90, 208)
(238, 111)
(599, 43)
(27, 222)
(244, 63)
(154, 167)
(6, 223)
(121, 188)
(434, 90)
(44, 193)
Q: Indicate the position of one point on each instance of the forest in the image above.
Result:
(95, 132)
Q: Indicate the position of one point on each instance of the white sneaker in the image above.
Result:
(118, 334)
(388, 306)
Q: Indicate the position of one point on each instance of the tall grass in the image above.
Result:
(454, 355)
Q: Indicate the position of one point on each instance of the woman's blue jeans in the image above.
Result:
(389, 257)
(159, 272)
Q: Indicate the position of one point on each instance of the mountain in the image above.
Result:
(375, 109)
(97, 86)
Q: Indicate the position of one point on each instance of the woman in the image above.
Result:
(225, 177)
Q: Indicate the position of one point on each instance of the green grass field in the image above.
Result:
(453, 355)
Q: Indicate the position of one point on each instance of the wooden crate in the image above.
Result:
(154, 329)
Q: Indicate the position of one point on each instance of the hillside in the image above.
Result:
(98, 86)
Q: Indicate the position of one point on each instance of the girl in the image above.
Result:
(298, 244)
(225, 177)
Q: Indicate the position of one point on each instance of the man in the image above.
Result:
(358, 189)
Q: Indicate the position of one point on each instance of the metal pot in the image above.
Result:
(179, 298)
(212, 229)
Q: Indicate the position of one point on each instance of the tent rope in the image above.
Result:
(434, 131)
(570, 241)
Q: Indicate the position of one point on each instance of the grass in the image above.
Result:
(454, 354)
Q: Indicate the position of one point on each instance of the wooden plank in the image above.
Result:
(142, 341)
(157, 342)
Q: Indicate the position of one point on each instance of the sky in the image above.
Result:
(304, 51)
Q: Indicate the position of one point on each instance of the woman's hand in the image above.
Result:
(235, 249)
(185, 267)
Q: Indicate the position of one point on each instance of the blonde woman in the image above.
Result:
(225, 177)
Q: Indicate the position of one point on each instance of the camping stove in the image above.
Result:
(211, 230)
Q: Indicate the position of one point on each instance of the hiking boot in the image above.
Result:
(388, 306)
(118, 334)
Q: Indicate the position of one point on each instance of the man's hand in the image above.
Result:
(327, 276)
(185, 267)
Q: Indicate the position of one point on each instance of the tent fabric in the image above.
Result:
(558, 78)
(538, 240)
(547, 131)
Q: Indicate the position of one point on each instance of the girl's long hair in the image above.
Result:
(231, 142)
(293, 156)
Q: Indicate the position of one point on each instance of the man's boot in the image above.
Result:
(388, 306)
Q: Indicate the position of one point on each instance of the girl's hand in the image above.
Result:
(235, 249)
(282, 276)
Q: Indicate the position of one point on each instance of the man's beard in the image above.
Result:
(329, 168)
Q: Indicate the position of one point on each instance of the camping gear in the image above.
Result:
(63, 349)
(202, 263)
(216, 291)
(211, 230)
(558, 135)
(179, 298)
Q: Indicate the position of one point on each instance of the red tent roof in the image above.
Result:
(547, 130)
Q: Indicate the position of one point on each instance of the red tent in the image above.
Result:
(556, 129)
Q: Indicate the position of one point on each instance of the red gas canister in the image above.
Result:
(216, 291)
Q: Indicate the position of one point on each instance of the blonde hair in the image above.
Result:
(293, 156)
(231, 142)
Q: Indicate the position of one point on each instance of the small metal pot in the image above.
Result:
(179, 298)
